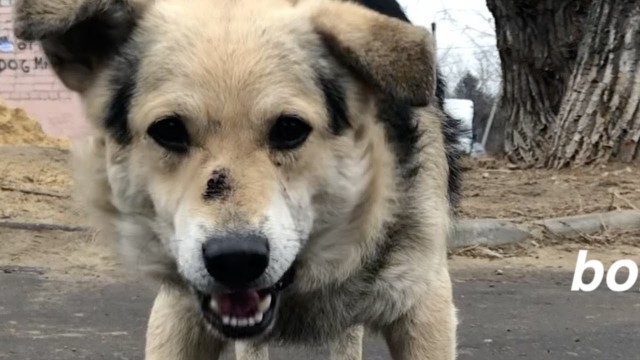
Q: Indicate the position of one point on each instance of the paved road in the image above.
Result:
(529, 317)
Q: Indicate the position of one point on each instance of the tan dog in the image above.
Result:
(281, 166)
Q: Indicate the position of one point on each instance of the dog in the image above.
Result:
(282, 167)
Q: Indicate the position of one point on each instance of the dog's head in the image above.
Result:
(236, 132)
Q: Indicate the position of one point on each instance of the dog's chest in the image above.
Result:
(315, 317)
(323, 315)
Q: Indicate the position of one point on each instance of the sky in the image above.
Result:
(464, 29)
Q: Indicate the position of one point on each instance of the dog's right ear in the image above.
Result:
(78, 36)
(393, 56)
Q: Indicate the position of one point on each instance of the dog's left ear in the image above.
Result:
(393, 56)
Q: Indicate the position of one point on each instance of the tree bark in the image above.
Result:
(538, 42)
(600, 116)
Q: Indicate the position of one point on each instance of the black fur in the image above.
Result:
(99, 36)
(401, 128)
(386, 7)
(335, 102)
(123, 82)
(452, 131)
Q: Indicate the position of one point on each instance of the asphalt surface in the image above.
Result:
(533, 316)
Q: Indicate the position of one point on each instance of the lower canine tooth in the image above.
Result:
(213, 304)
(226, 320)
(265, 304)
(258, 318)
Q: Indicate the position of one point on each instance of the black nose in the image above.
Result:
(235, 260)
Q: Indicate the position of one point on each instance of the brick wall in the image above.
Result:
(27, 81)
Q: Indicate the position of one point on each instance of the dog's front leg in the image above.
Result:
(248, 351)
(177, 331)
(349, 345)
(428, 330)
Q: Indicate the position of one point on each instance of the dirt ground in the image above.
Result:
(494, 189)
(45, 171)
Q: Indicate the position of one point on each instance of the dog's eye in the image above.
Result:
(288, 132)
(170, 133)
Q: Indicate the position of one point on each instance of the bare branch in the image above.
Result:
(34, 192)
(35, 226)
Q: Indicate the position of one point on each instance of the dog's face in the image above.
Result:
(240, 131)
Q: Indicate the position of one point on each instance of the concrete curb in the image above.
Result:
(487, 231)
(592, 223)
(500, 232)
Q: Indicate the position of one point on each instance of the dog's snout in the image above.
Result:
(236, 260)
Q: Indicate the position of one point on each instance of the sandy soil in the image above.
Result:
(27, 168)
(16, 128)
(494, 189)
(40, 169)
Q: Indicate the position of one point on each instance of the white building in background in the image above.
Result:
(462, 109)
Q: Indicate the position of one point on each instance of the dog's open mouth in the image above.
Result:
(245, 313)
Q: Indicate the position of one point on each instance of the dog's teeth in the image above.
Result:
(265, 304)
(213, 304)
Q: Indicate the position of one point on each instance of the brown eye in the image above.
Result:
(288, 132)
(170, 133)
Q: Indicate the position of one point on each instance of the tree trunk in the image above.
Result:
(600, 115)
(538, 42)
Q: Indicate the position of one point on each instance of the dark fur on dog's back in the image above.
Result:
(387, 7)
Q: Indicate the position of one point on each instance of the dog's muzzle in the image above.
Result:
(239, 314)
(236, 262)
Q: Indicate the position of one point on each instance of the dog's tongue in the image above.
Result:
(239, 304)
